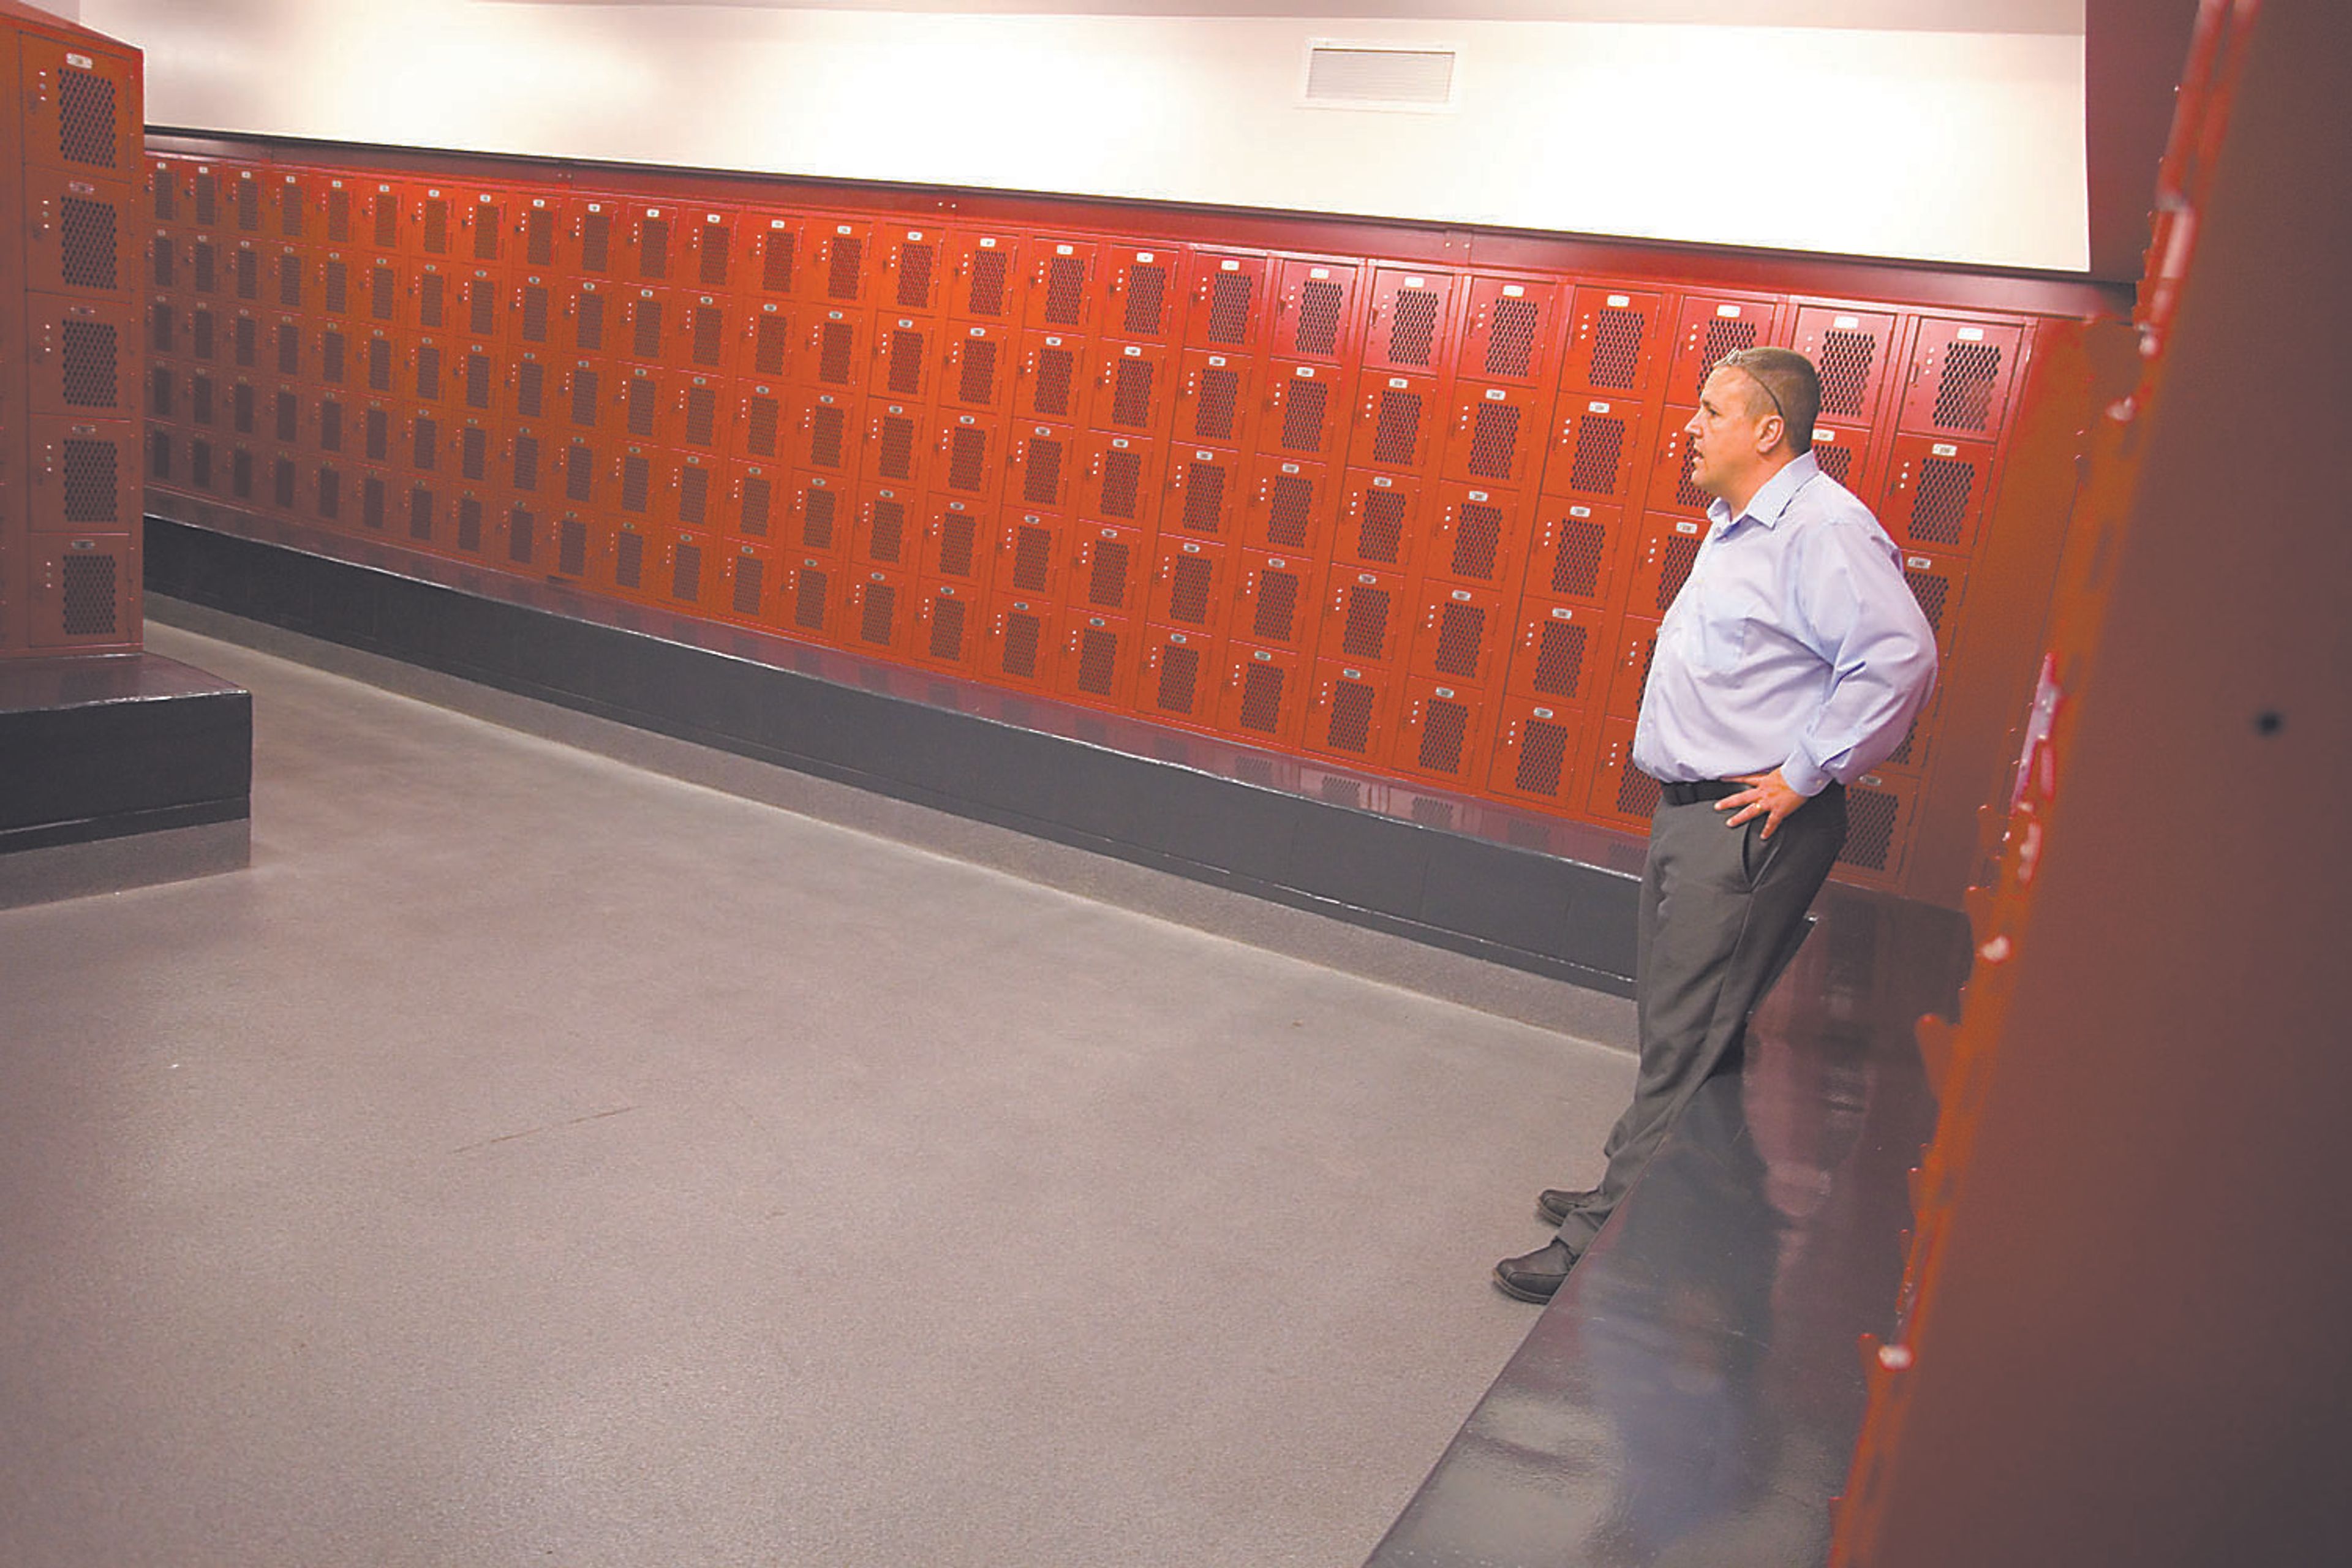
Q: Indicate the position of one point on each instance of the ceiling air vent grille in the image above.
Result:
(1377, 76)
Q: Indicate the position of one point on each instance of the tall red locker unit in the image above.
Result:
(71, 375)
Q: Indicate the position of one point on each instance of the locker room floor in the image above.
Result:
(567, 1145)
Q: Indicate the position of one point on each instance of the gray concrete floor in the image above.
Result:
(541, 1156)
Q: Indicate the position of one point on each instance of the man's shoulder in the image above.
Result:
(1825, 504)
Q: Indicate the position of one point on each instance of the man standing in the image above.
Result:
(1792, 661)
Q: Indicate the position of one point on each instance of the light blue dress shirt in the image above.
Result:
(1795, 644)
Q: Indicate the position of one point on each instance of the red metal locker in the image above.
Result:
(810, 602)
(838, 348)
(287, 203)
(1228, 301)
(1938, 582)
(1179, 678)
(879, 617)
(1711, 326)
(820, 511)
(750, 580)
(778, 250)
(1060, 290)
(1443, 731)
(78, 234)
(1617, 342)
(1598, 448)
(1366, 616)
(1143, 296)
(86, 593)
(1039, 465)
(646, 241)
(694, 487)
(1843, 454)
(434, 217)
(1637, 646)
(1399, 420)
(1099, 657)
(889, 530)
(976, 369)
(430, 370)
(418, 444)
(1382, 521)
(1878, 808)
(956, 545)
(1510, 330)
(338, 280)
(537, 228)
(1496, 434)
(968, 454)
(166, 182)
(949, 626)
(823, 436)
(984, 278)
(163, 251)
(1413, 326)
(690, 569)
(1306, 411)
(531, 463)
(571, 543)
(1620, 794)
(1119, 478)
(715, 239)
(1535, 754)
(522, 536)
(473, 440)
(83, 357)
(1960, 376)
(1556, 654)
(895, 451)
(697, 413)
(1049, 382)
(1289, 505)
(1190, 586)
(1032, 555)
(757, 500)
(1854, 350)
(424, 522)
(1263, 697)
(588, 400)
(642, 331)
(586, 482)
(1479, 537)
(1134, 387)
(767, 348)
(591, 324)
(903, 346)
(1217, 399)
(1021, 642)
(1669, 545)
(1314, 310)
(1276, 599)
(761, 415)
(81, 108)
(710, 332)
(1109, 568)
(1672, 488)
(484, 222)
(1572, 551)
(637, 473)
(1204, 489)
(1460, 636)
(1936, 492)
(911, 272)
(84, 476)
(1350, 711)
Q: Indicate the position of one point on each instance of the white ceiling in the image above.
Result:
(2049, 17)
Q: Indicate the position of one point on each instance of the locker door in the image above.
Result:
(1276, 599)
(424, 447)
(85, 358)
(1099, 657)
(692, 486)
(1878, 810)
(1217, 399)
(889, 530)
(1134, 388)
(521, 538)
(1843, 454)
(810, 603)
(474, 378)
(1143, 301)
(537, 220)
(1618, 343)
(645, 314)
(337, 280)
(646, 242)
(1367, 618)
(1938, 582)
(586, 484)
(1629, 674)
(769, 348)
(1854, 351)
(948, 631)
(1479, 538)
(1381, 521)
(1060, 286)
(82, 110)
(1672, 488)
(956, 546)
(483, 224)
(85, 592)
(1411, 327)
(1669, 547)
(1032, 555)
(529, 464)
(1572, 551)
(79, 235)
(1511, 331)
(896, 451)
(592, 325)
(984, 278)
(1119, 478)
(1535, 756)
(690, 568)
(1442, 731)
(1711, 326)
(698, 413)
(1495, 434)
(1306, 411)
(778, 250)
(1181, 674)
(1205, 487)
(432, 221)
(1109, 567)
(1597, 449)
(976, 370)
(1960, 377)
(1557, 653)
(968, 454)
(760, 420)
(1023, 642)
(715, 242)
(286, 207)
(838, 348)
(534, 384)
(85, 476)
(879, 617)
(1227, 301)
(1348, 712)
(820, 512)
(534, 309)
(903, 346)
(748, 584)
(1460, 635)
(1620, 793)
(163, 251)
(571, 544)
(822, 435)
(1289, 505)
(1314, 310)
(1936, 492)
(1398, 422)
(1049, 380)
(1038, 467)
(1190, 586)
(756, 504)
(588, 400)
(710, 332)
(636, 474)
(644, 394)
(1264, 697)
(166, 182)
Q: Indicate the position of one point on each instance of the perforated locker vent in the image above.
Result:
(817, 519)
(281, 475)
(290, 283)
(331, 424)
(477, 380)
(1262, 697)
(588, 323)
(1319, 304)
(1399, 426)
(948, 617)
(916, 262)
(1442, 735)
(1212, 416)
(1303, 408)
(1478, 540)
(289, 348)
(1180, 674)
(1941, 505)
(384, 219)
(959, 534)
(686, 574)
(1964, 391)
(437, 224)
(1837, 462)
(1637, 792)
(1023, 633)
(769, 342)
(1511, 337)
(1032, 557)
(895, 450)
(522, 535)
(1543, 754)
(1870, 830)
(1724, 335)
(1204, 496)
(160, 389)
(241, 403)
(431, 290)
(760, 427)
(629, 559)
(835, 343)
(1043, 480)
(637, 483)
(826, 429)
(378, 371)
(1382, 538)
(758, 496)
(481, 307)
(1229, 307)
(808, 599)
(1600, 454)
(1366, 633)
(1097, 660)
(330, 494)
(91, 493)
(1687, 491)
(87, 238)
(1617, 336)
(1147, 298)
(165, 193)
(653, 250)
(1278, 606)
(905, 376)
(701, 416)
(200, 398)
(1412, 335)
(372, 502)
(1461, 633)
(1560, 659)
(1122, 483)
(539, 238)
(1681, 551)
(1130, 399)
(159, 327)
(578, 473)
(1845, 360)
(887, 537)
(976, 380)
(90, 356)
(338, 216)
(469, 525)
(161, 258)
(338, 283)
(645, 341)
(530, 388)
(1494, 440)
(988, 274)
(526, 462)
(714, 243)
(1106, 583)
(203, 259)
(89, 581)
(1934, 591)
(247, 342)
(777, 250)
(420, 512)
(207, 195)
(572, 548)
(1351, 716)
(967, 459)
(86, 125)
(1054, 370)
(1189, 579)
(1288, 509)
(846, 261)
(1066, 285)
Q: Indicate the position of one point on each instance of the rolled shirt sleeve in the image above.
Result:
(1864, 623)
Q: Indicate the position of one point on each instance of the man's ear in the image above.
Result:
(1770, 431)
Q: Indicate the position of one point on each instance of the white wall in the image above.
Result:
(1946, 147)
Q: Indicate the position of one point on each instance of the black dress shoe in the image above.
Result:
(1553, 1206)
(1538, 1276)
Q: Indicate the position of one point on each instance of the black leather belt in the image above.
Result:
(1705, 789)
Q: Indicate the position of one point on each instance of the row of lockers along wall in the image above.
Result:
(71, 146)
(827, 450)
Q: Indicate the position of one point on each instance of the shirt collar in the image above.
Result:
(1767, 504)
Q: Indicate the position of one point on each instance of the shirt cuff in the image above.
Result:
(1800, 775)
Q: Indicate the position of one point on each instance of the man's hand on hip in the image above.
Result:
(1768, 793)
